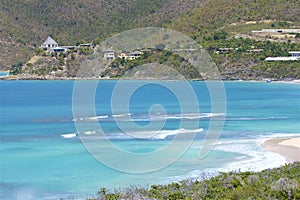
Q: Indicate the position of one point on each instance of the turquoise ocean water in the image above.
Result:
(4, 73)
(42, 156)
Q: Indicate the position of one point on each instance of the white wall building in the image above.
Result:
(109, 54)
(295, 53)
(135, 54)
(49, 43)
(295, 56)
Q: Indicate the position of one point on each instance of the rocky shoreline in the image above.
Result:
(16, 77)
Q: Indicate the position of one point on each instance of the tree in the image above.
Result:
(220, 35)
(16, 69)
(160, 47)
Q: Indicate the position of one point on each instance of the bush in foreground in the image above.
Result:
(278, 183)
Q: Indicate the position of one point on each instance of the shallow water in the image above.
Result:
(42, 155)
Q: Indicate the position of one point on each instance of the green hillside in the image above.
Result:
(25, 24)
(278, 183)
(228, 24)
(215, 14)
(213, 23)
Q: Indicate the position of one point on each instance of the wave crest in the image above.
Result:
(146, 117)
(148, 135)
(69, 135)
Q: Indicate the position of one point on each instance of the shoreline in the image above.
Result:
(287, 147)
(16, 78)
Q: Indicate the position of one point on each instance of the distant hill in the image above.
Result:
(25, 24)
(215, 24)
(213, 15)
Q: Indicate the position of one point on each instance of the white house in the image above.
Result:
(86, 45)
(295, 56)
(49, 43)
(277, 31)
(109, 54)
(281, 59)
(123, 55)
(295, 53)
(135, 54)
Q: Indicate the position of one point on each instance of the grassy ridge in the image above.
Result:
(28, 23)
(215, 23)
(215, 14)
(25, 24)
(278, 183)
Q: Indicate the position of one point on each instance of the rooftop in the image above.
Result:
(50, 40)
(294, 51)
(282, 59)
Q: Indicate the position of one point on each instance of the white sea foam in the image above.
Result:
(147, 117)
(95, 118)
(188, 116)
(176, 116)
(121, 115)
(162, 134)
(254, 118)
(257, 158)
(69, 135)
(253, 158)
(149, 135)
(193, 116)
(90, 132)
(73, 135)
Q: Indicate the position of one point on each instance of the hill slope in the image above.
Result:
(277, 183)
(214, 14)
(217, 24)
(27, 23)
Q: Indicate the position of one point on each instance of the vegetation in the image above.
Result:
(213, 15)
(228, 24)
(213, 23)
(26, 24)
(52, 65)
(278, 183)
(16, 69)
(243, 62)
(121, 67)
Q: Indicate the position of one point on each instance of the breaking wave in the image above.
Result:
(254, 118)
(146, 117)
(69, 135)
(162, 134)
(148, 135)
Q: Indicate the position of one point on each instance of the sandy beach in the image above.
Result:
(287, 147)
